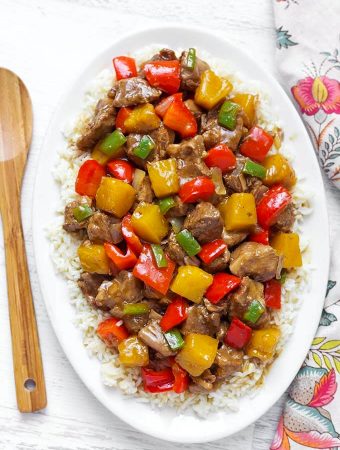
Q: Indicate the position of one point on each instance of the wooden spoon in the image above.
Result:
(15, 140)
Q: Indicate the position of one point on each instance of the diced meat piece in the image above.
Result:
(193, 108)
(89, 284)
(240, 300)
(254, 260)
(177, 254)
(149, 292)
(232, 238)
(152, 335)
(133, 91)
(221, 307)
(200, 321)
(103, 228)
(180, 209)
(158, 363)
(189, 155)
(166, 54)
(236, 180)
(162, 137)
(135, 323)
(214, 134)
(70, 222)
(102, 123)
(219, 264)
(174, 250)
(145, 192)
(190, 78)
(228, 361)
(286, 219)
(257, 188)
(204, 382)
(204, 222)
(123, 288)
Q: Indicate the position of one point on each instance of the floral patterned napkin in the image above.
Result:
(308, 34)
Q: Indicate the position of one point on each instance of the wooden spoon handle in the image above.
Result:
(28, 369)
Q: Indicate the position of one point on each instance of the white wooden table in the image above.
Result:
(47, 42)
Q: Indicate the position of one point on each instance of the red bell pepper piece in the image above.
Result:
(221, 156)
(164, 75)
(130, 236)
(112, 331)
(181, 382)
(272, 294)
(146, 270)
(261, 236)
(271, 205)
(89, 178)
(157, 381)
(125, 67)
(179, 118)
(257, 144)
(175, 314)
(212, 250)
(121, 169)
(121, 261)
(238, 334)
(199, 188)
(164, 104)
(222, 285)
(121, 117)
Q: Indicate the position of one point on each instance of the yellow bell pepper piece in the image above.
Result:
(142, 119)
(149, 223)
(133, 352)
(191, 282)
(115, 196)
(278, 171)
(163, 177)
(101, 157)
(262, 344)
(248, 104)
(240, 212)
(287, 245)
(93, 258)
(198, 353)
(212, 89)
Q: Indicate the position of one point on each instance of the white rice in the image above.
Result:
(64, 255)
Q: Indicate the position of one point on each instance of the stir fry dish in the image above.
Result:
(185, 215)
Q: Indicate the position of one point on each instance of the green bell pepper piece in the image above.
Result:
(255, 170)
(191, 58)
(159, 255)
(145, 146)
(165, 204)
(283, 276)
(227, 115)
(82, 212)
(187, 241)
(135, 309)
(254, 311)
(112, 143)
(174, 339)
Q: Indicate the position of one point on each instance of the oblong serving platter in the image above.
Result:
(166, 423)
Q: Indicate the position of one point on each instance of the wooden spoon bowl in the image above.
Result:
(15, 140)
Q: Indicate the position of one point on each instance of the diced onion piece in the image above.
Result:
(216, 176)
(176, 223)
(278, 137)
(138, 178)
